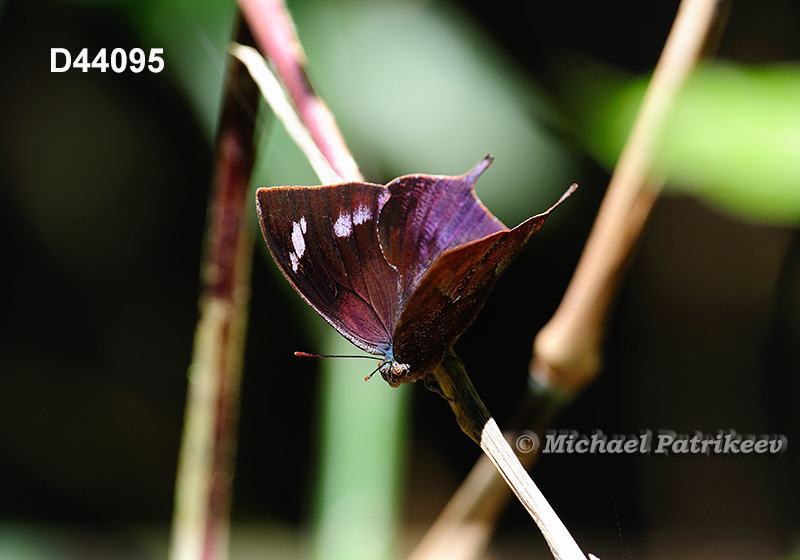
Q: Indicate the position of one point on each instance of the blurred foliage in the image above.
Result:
(195, 35)
(733, 137)
(363, 450)
(420, 88)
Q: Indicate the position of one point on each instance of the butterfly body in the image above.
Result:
(400, 270)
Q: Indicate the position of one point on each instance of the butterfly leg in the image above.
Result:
(432, 385)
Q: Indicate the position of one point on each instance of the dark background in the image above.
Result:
(104, 181)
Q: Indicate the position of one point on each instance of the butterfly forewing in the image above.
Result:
(325, 242)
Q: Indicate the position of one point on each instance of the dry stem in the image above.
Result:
(463, 528)
(568, 349)
(477, 423)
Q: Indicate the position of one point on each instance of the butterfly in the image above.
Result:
(400, 270)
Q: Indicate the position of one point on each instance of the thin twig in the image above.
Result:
(477, 423)
(277, 40)
(203, 485)
(284, 110)
(463, 528)
(568, 350)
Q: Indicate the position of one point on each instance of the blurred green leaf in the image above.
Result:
(363, 441)
(733, 138)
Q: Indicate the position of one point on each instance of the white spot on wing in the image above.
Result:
(298, 242)
(343, 225)
(361, 215)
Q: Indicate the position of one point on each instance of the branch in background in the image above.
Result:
(206, 463)
(568, 350)
(277, 40)
(366, 500)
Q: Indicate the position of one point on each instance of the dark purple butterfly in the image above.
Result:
(399, 270)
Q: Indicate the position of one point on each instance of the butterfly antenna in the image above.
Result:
(309, 355)
(367, 378)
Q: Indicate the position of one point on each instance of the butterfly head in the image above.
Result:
(392, 371)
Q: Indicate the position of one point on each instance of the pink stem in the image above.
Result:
(207, 457)
(277, 39)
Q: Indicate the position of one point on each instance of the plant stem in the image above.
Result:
(277, 39)
(207, 457)
(477, 423)
(282, 107)
(358, 457)
(463, 528)
(568, 350)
